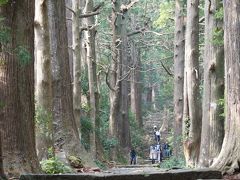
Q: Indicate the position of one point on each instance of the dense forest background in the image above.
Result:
(82, 82)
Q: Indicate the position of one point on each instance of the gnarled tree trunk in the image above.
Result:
(229, 157)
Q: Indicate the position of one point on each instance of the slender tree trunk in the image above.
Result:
(114, 73)
(17, 86)
(76, 38)
(229, 157)
(43, 85)
(213, 89)
(92, 77)
(136, 95)
(192, 113)
(179, 57)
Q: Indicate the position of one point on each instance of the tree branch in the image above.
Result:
(89, 14)
(125, 8)
(165, 68)
(71, 10)
(107, 82)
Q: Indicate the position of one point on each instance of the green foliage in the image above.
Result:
(84, 82)
(166, 15)
(75, 161)
(219, 14)
(54, 166)
(137, 134)
(173, 162)
(51, 152)
(43, 119)
(122, 158)
(86, 129)
(2, 2)
(218, 37)
(2, 104)
(23, 55)
(186, 122)
(109, 143)
(100, 165)
(221, 104)
(5, 35)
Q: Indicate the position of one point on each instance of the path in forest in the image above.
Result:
(149, 121)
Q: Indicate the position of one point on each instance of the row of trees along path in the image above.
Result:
(44, 95)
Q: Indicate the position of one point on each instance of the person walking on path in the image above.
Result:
(133, 156)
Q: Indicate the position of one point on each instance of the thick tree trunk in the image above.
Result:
(43, 81)
(17, 88)
(66, 132)
(76, 38)
(192, 107)
(114, 72)
(136, 94)
(125, 141)
(179, 57)
(118, 119)
(213, 89)
(229, 157)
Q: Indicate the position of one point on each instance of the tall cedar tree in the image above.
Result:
(213, 87)
(118, 120)
(192, 107)
(179, 56)
(17, 88)
(66, 131)
(43, 81)
(229, 157)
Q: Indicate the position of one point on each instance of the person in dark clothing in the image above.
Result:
(133, 156)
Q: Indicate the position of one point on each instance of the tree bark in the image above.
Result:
(125, 140)
(92, 75)
(179, 57)
(118, 118)
(1, 156)
(76, 38)
(43, 81)
(66, 132)
(213, 89)
(229, 157)
(17, 88)
(136, 94)
(192, 114)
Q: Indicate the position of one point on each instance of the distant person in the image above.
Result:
(158, 136)
(154, 132)
(133, 157)
(167, 149)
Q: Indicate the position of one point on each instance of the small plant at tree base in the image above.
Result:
(54, 166)
(75, 162)
(173, 162)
